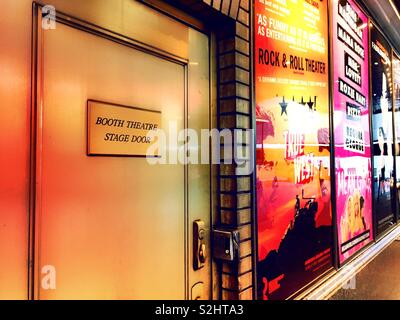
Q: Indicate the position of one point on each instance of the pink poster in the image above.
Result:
(351, 126)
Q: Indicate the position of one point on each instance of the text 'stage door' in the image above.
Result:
(293, 145)
(350, 45)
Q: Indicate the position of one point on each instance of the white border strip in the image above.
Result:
(328, 286)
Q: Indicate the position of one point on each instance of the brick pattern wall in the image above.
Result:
(235, 110)
(230, 20)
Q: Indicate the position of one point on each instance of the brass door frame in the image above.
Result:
(37, 122)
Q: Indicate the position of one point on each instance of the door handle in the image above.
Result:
(202, 253)
(199, 245)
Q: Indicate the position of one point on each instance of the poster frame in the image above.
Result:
(257, 295)
(381, 235)
(334, 266)
(339, 264)
(335, 247)
(395, 55)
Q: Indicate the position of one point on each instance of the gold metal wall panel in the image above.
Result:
(199, 179)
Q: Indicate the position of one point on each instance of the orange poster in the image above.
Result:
(293, 145)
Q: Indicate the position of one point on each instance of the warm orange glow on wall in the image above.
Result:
(15, 48)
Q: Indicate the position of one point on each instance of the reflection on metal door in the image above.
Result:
(113, 227)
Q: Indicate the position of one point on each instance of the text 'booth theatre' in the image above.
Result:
(204, 149)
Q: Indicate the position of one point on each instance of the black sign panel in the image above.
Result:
(352, 69)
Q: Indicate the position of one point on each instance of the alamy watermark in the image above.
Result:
(197, 147)
(351, 284)
(49, 18)
(48, 277)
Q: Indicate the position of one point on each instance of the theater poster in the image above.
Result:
(382, 131)
(293, 145)
(350, 45)
(396, 90)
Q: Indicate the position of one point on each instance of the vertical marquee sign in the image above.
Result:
(293, 145)
(350, 43)
(382, 131)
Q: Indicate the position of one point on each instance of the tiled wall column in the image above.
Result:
(236, 180)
